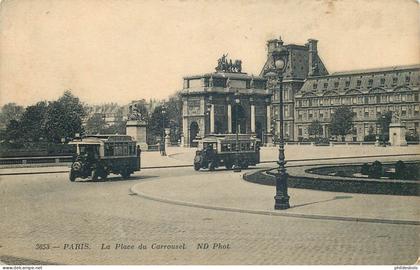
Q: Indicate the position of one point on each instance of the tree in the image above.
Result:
(342, 121)
(95, 124)
(32, 124)
(174, 109)
(10, 111)
(64, 117)
(315, 128)
(156, 123)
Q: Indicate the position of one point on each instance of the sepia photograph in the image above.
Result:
(213, 133)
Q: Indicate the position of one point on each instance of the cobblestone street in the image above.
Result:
(48, 209)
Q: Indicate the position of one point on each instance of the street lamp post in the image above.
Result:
(280, 60)
(163, 153)
(237, 167)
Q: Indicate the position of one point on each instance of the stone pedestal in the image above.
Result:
(137, 130)
(397, 134)
(269, 140)
(167, 137)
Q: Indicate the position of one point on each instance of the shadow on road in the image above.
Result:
(328, 200)
(117, 178)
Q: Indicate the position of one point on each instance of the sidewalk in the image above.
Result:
(226, 191)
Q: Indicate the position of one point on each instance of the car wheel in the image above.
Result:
(94, 175)
(125, 173)
(212, 166)
(72, 176)
(196, 166)
(245, 164)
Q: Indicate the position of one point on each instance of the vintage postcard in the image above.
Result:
(140, 132)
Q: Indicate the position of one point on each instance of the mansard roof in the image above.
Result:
(379, 80)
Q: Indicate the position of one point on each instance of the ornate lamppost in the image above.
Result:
(236, 166)
(163, 150)
(279, 56)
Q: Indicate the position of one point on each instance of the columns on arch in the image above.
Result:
(252, 115)
(229, 113)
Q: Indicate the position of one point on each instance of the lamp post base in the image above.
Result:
(281, 202)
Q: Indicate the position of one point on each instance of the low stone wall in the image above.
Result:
(299, 178)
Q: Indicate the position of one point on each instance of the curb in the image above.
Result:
(272, 213)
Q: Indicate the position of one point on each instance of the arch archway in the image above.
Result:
(193, 133)
(259, 130)
(238, 112)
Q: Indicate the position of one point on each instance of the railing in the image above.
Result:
(35, 160)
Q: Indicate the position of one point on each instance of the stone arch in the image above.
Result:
(194, 129)
(238, 112)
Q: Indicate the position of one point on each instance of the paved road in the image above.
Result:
(48, 209)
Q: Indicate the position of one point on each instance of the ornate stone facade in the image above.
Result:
(209, 105)
(310, 93)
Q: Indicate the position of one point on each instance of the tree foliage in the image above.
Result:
(33, 122)
(315, 128)
(64, 118)
(95, 124)
(10, 111)
(342, 121)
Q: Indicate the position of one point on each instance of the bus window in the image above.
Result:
(125, 149)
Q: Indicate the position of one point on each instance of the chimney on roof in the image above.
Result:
(313, 57)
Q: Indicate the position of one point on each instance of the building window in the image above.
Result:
(299, 115)
(300, 131)
(370, 83)
(347, 84)
(394, 81)
(321, 114)
(382, 81)
(378, 99)
(358, 83)
(315, 86)
(416, 97)
(404, 111)
(310, 102)
(310, 114)
(325, 85)
(335, 84)
(407, 79)
(366, 100)
(366, 113)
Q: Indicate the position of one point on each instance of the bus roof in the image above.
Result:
(102, 138)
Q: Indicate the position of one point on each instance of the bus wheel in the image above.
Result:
(212, 166)
(245, 164)
(125, 174)
(72, 176)
(197, 166)
(228, 165)
(94, 175)
(104, 175)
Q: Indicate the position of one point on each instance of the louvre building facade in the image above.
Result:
(310, 93)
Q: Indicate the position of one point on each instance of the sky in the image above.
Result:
(123, 50)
